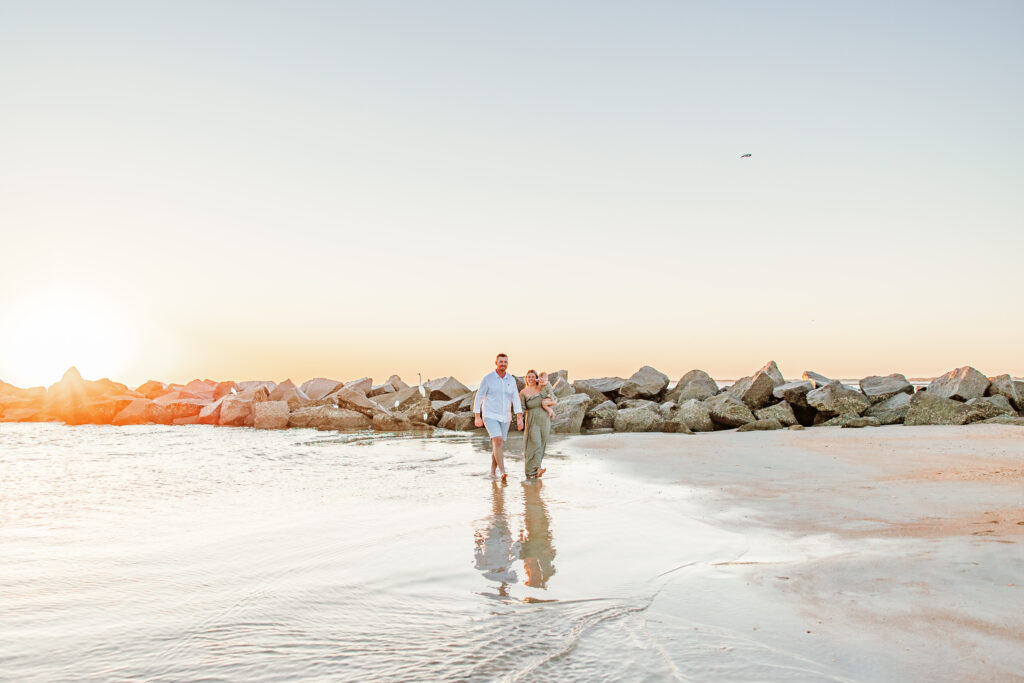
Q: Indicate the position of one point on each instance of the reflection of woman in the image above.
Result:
(495, 552)
(537, 401)
(536, 549)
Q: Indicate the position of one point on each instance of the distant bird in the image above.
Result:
(745, 156)
(423, 392)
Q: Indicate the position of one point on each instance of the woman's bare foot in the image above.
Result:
(504, 476)
(541, 471)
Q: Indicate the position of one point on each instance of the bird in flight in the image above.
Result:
(744, 156)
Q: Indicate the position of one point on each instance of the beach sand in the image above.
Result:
(874, 554)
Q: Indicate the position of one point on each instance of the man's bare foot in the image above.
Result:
(541, 471)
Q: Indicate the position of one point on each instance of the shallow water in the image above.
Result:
(183, 553)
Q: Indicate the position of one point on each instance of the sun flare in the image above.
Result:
(42, 337)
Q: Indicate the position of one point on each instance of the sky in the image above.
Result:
(251, 190)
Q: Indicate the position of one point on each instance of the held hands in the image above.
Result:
(519, 422)
(478, 421)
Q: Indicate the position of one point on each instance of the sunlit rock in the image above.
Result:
(569, 413)
(694, 384)
(645, 383)
(878, 389)
(782, 412)
(638, 420)
(728, 411)
(328, 418)
(600, 416)
(961, 384)
(837, 399)
(270, 415)
(445, 388)
(927, 408)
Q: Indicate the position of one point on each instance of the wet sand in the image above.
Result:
(874, 554)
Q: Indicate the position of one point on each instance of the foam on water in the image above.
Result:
(179, 553)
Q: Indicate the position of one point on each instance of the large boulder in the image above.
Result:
(561, 388)
(851, 422)
(817, 380)
(695, 416)
(772, 370)
(210, 414)
(1005, 420)
(397, 383)
(270, 415)
(992, 406)
(142, 411)
(319, 387)
(410, 403)
(455, 405)
(728, 411)
(378, 389)
(927, 408)
(256, 384)
(238, 412)
(891, 411)
(459, 422)
(445, 389)
(837, 399)
(624, 403)
(760, 426)
(291, 394)
(782, 412)
(186, 407)
(794, 393)
(385, 422)
(645, 383)
(328, 418)
(151, 389)
(694, 384)
(596, 397)
(354, 399)
(638, 420)
(755, 391)
(961, 384)
(609, 386)
(878, 389)
(1004, 385)
(569, 414)
(601, 416)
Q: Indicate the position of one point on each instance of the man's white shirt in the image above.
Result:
(495, 394)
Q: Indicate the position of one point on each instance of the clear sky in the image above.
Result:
(292, 189)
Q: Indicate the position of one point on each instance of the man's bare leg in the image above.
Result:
(498, 456)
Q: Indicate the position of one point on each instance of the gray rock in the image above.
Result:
(328, 418)
(1005, 420)
(668, 410)
(252, 385)
(696, 416)
(601, 416)
(645, 383)
(238, 412)
(380, 389)
(760, 426)
(397, 422)
(878, 389)
(289, 393)
(992, 406)
(561, 388)
(319, 387)
(397, 383)
(694, 384)
(558, 374)
(794, 393)
(362, 385)
(817, 380)
(836, 399)
(728, 411)
(1004, 385)
(608, 386)
(459, 422)
(796, 428)
(270, 415)
(928, 409)
(858, 422)
(356, 400)
(772, 370)
(638, 420)
(961, 384)
(755, 391)
(891, 411)
(455, 405)
(624, 403)
(569, 414)
(445, 389)
(782, 412)
(596, 397)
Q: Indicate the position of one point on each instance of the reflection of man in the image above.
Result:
(536, 550)
(495, 551)
(497, 392)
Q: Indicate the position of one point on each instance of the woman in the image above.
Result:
(537, 401)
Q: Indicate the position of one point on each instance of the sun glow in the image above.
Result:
(42, 337)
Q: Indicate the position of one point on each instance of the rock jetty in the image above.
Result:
(644, 402)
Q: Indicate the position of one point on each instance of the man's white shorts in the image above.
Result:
(496, 428)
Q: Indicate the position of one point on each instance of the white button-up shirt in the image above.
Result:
(495, 394)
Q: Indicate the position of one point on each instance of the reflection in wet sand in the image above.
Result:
(536, 549)
(495, 552)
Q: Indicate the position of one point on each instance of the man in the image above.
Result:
(498, 390)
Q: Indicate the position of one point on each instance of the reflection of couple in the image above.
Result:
(495, 551)
(498, 392)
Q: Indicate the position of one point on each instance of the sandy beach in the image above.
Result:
(881, 554)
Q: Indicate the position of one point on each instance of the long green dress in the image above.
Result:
(538, 426)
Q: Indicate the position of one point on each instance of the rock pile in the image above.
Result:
(643, 402)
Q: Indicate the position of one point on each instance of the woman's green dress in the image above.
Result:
(538, 426)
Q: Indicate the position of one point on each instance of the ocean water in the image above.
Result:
(187, 553)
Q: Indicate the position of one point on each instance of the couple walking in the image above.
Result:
(498, 397)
